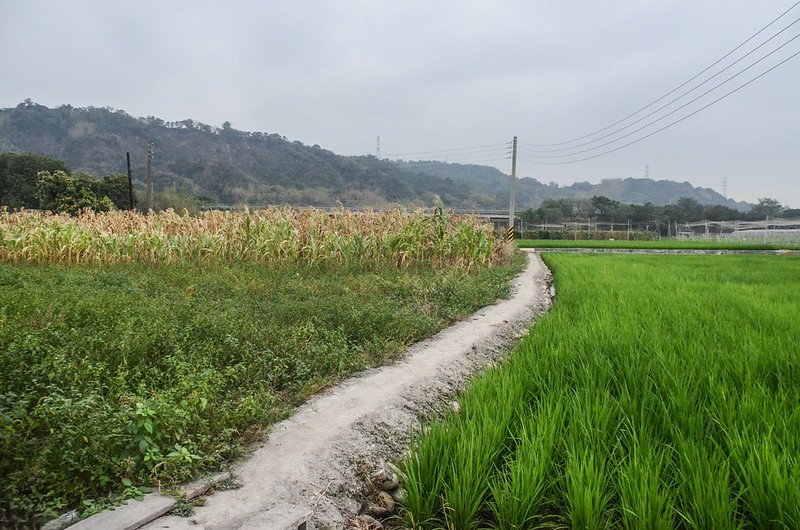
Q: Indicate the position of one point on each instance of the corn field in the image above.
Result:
(274, 235)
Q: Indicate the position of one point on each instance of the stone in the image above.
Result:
(385, 480)
(399, 495)
(130, 515)
(369, 522)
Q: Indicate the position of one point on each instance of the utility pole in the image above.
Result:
(510, 235)
(130, 181)
(149, 176)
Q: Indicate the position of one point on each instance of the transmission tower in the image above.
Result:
(378, 148)
(725, 188)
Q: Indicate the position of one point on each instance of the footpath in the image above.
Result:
(310, 471)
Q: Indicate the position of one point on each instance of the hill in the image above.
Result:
(530, 192)
(231, 167)
(226, 165)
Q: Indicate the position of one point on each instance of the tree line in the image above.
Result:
(686, 209)
(34, 181)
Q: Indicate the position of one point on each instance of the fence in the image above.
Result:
(782, 230)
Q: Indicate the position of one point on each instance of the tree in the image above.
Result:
(718, 212)
(115, 187)
(61, 192)
(18, 177)
(551, 210)
(606, 209)
(584, 209)
(766, 207)
(791, 213)
(685, 210)
(176, 199)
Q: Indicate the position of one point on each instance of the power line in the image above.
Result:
(612, 133)
(674, 122)
(395, 155)
(503, 155)
(475, 154)
(674, 89)
(358, 144)
(679, 108)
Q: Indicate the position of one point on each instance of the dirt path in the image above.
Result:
(312, 462)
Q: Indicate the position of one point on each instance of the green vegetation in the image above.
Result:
(658, 392)
(140, 350)
(231, 167)
(18, 177)
(643, 213)
(29, 180)
(673, 244)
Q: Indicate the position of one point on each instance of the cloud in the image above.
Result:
(423, 75)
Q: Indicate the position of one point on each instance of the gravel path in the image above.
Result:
(316, 461)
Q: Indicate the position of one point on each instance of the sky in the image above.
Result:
(440, 80)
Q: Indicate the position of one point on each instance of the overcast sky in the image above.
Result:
(431, 76)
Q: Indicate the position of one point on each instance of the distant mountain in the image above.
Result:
(530, 192)
(232, 167)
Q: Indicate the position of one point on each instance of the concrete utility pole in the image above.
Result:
(513, 188)
(149, 176)
(130, 181)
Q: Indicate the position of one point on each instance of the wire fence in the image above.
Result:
(768, 230)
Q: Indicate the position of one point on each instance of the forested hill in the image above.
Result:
(231, 167)
(529, 191)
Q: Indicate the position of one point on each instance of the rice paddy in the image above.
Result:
(658, 392)
(663, 244)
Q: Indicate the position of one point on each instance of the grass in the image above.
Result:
(658, 392)
(138, 351)
(663, 244)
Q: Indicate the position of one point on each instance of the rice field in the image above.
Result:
(663, 244)
(658, 392)
(138, 351)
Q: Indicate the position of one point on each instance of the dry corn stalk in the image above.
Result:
(274, 235)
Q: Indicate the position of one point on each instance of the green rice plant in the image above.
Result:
(423, 475)
(588, 445)
(521, 491)
(706, 501)
(770, 481)
(480, 445)
(467, 480)
(587, 489)
(678, 378)
(661, 244)
(644, 492)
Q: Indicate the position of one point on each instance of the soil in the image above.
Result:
(320, 460)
